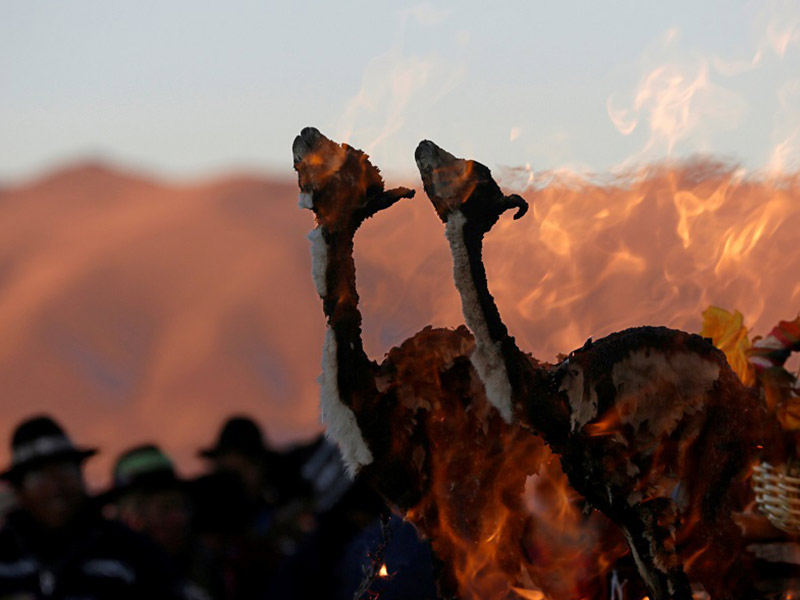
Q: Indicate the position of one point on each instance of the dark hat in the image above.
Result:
(239, 434)
(144, 468)
(37, 441)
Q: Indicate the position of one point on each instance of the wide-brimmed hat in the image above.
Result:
(143, 468)
(37, 441)
(239, 434)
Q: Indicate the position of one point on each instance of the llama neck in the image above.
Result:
(334, 273)
(347, 381)
(480, 312)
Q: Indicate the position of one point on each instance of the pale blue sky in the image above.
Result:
(189, 88)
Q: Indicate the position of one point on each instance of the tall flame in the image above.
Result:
(656, 247)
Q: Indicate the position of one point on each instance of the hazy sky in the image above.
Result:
(191, 87)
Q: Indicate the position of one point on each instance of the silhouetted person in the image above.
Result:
(347, 533)
(251, 507)
(149, 497)
(56, 544)
(240, 449)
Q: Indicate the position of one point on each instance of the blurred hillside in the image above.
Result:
(137, 311)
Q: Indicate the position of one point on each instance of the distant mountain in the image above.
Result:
(135, 311)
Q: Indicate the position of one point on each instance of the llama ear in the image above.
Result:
(518, 202)
(399, 193)
(387, 199)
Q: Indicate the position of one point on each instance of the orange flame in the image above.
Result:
(499, 511)
(655, 248)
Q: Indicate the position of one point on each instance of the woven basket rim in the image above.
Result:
(777, 495)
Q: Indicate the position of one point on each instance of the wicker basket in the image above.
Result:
(778, 495)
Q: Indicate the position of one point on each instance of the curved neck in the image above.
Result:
(494, 348)
(511, 377)
(478, 304)
(348, 376)
(339, 295)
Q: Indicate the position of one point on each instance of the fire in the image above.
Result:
(529, 594)
(383, 572)
(491, 497)
(499, 510)
(656, 247)
(666, 94)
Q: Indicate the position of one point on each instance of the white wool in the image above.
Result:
(487, 357)
(305, 201)
(583, 409)
(654, 388)
(319, 259)
(341, 425)
(658, 388)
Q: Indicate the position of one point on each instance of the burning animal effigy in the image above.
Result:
(651, 428)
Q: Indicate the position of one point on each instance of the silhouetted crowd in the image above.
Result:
(258, 524)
